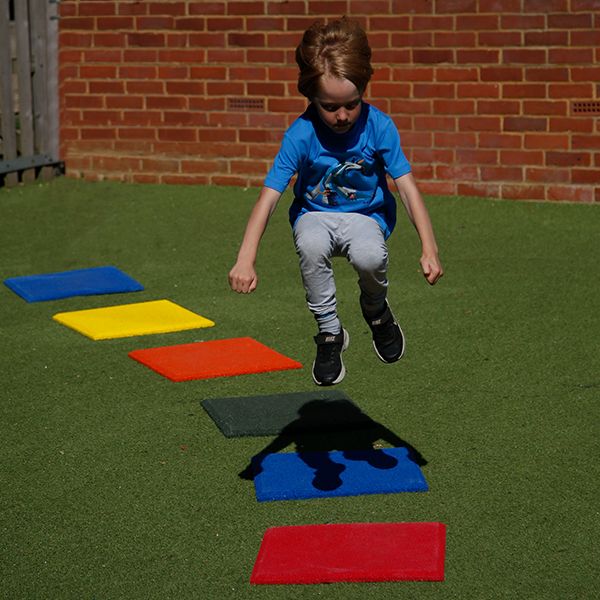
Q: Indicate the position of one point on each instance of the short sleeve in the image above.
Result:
(285, 166)
(390, 150)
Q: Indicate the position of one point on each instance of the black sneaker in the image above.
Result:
(388, 339)
(328, 368)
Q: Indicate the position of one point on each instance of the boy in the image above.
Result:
(340, 149)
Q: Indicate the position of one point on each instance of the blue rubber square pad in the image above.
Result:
(295, 476)
(78, 282)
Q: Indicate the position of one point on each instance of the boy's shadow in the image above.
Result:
(326, 425)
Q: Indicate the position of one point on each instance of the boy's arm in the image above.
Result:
(242, 277)
(417, 212)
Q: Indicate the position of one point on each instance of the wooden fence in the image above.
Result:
(29, 125)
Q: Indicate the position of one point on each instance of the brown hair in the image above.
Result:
(338, 49)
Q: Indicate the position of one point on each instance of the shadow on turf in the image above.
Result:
(325, 426)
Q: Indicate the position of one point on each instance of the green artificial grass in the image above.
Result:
(115, 483)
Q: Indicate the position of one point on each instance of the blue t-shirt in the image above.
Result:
(341, 172)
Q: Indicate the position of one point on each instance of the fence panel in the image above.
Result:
(28, 90)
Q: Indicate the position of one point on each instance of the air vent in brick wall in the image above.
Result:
(246, 103)
(585, 108)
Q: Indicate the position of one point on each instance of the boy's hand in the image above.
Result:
(243, 279)
(432, 268)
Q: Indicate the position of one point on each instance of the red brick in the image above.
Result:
(136, 133)
(480, 190)
(133, 8)
(76, 40)
(153, 40)
(478, 90)
(138, 55)
(521, 157)
(224, 24)
(501, 173)
(570, 21)
(476, 22)
(545, 141)
(454, 40)
(456, 6)
(432, 56)
(428, 90)
(546, 38)
(529, 56)
(420, 39)
(523, 124)
(571, 124)
(166, 102)
(431, 23)
(389, 23)
(107, 87)
(109, 40)
(98, 72)
(542, 6)
(266, 55)
(224, 88)
(546, 74)
(178, 134)
(541, 107)
(269, 24)
(454, 107)
(479, 124)
(167, 8)
(114, 23)
(372, 7)
(444, 139)
(247, 8)
(412, 6)
(501, 74)
(499, 140)
(187, 88)
(500, 6)
(499, 39)
(190, 24)
(578, 5)
(574, 90)
(454, 73)
(137, 72)
(523, 22)
(522, 192)
(155, 22)
(568, 159)
(177, 56)
(103, 133)
(457, 172)
(585, 142)
(498, 107)
(585, 73)
(570, 193)
(435, 123)
(523, 90)
(433, 155)
(570, 55)
(207, 8)
(477, 57)
(586, 176)
(95, 8)
(547, 175)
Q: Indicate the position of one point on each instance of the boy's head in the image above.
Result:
(339, 50)
(335, 68)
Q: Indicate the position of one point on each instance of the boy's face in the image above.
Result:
(338, 103)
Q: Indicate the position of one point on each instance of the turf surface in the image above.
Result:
(116, 483)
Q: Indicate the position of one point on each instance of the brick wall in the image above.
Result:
(495, 98)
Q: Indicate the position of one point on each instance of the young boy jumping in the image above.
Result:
(341, 150)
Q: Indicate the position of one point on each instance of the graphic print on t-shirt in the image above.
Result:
(341, 184)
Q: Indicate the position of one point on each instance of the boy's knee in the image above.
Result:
(369, 258)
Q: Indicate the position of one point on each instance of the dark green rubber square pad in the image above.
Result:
(272, 414)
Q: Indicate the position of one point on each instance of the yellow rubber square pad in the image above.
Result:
(141, 318)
